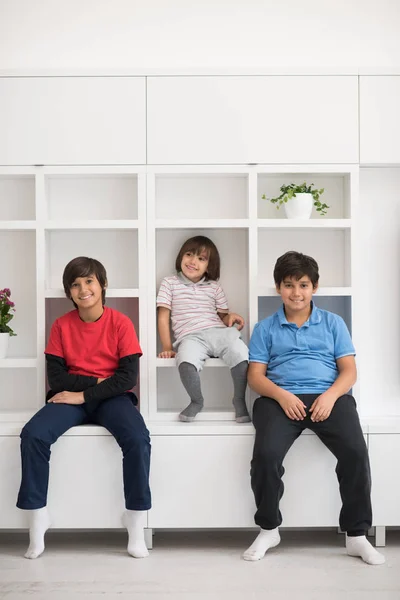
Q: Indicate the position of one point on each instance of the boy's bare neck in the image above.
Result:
(91, 314)
(299, 318)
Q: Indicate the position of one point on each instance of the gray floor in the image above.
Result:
(195, 565)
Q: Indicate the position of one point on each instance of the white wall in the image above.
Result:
(379, 293)
(79, 34)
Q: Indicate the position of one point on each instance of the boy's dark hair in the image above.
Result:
(197, 245)
(82, 266)
(295, 264)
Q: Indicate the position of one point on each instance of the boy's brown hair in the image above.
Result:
(295, 264)
(197, 245)
(82, 266)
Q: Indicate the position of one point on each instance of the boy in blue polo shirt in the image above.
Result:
(302, 365)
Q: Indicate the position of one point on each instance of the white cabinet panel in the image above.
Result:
(72, 120)
(268, 119)
(201, 481)
(384, 450)
(379, 119)
(85, 487)
(10, 477)
(90, 496)
(204, 481)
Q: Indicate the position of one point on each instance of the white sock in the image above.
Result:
(134, 521)
(360, 546)
(266, 539)
(39, 522)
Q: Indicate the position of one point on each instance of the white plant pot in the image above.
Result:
(299, 207)
(4, 338)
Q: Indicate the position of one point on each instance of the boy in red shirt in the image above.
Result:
(92, 360)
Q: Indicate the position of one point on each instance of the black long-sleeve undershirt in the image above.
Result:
(60, 380)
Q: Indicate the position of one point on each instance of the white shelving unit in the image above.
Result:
(206, 148)
(51, 215)
(134, 220)
(250, 238)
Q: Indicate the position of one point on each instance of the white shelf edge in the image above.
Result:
(88, 170)
(111, 293)
(206, 416)
(322, 291)
(308, 168)
(98, 224)
(201, 223)
(170, 362)
(306, 224)
(18, 363)
(18, 225)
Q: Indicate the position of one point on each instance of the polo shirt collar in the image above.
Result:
(315, 316)
(187, 281)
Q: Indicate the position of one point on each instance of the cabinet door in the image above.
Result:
(72, 120)
(268, 119)
(85, 487)
(204, 481)
(10, 477)
(383, 451)
(379, 119)
(201, 481)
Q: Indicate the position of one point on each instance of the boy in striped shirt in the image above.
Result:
(196, 306)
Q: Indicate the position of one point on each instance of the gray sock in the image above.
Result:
(191, 380)
(239, 376)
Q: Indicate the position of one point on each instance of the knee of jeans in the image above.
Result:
(355, 453)
(267, 457)
(140, 440)
(31, 432)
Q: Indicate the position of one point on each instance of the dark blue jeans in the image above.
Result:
(118, 415)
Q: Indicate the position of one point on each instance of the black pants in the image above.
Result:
(341, 433)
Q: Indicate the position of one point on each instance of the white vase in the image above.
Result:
(4, 337)
(299, 207)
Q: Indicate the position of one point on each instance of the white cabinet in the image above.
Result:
(202, 133)
(379, 119)
(85, 485)
(90, 496)
(72, 120)
(266, 119)
(201, 481)
(384, 450)
(10, 477)
(204, 481)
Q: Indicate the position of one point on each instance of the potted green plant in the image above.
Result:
(302, 197)
(7, 310)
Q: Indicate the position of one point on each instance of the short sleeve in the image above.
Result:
(128, 342)
(259, 346)
(54, 345)
(221, 302)
(164, 297)
(343, 343)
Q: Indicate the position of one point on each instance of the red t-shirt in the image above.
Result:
(93, 349)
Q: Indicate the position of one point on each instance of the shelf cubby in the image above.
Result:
(17, 198)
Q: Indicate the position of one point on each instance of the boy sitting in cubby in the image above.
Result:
(302, 365)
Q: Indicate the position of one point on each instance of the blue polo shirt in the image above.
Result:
(302, 359)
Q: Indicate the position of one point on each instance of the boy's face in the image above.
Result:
(296, 294)
(86, 292)
(194, 266)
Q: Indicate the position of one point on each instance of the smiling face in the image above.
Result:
(86, 292)
(194, 266)
(296, 294)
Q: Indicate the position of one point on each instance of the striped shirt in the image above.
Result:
(193, 306)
